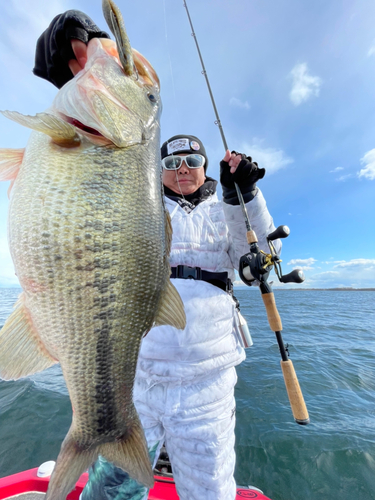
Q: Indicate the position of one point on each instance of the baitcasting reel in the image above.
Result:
(256, 265)
(254, 268)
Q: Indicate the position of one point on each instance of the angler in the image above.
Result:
(184, 385)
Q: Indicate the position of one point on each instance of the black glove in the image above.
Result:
(54, 49)
(246, 176)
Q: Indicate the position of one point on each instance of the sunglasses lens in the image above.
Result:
(172, 162)
(194, 161)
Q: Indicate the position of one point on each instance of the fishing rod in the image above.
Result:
(254, 269)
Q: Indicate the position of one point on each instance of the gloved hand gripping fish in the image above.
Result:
(90, 240)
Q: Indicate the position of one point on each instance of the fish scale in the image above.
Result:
(98, 299)
(90, 240)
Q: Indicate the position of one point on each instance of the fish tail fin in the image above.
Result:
(171, 310)
(10, 163)
(130, 453)
(71, 463)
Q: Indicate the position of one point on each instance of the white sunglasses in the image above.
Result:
(174, 162)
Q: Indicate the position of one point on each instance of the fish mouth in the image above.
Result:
(90, 133)
(82, 126)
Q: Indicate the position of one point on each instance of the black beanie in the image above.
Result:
(183, 144)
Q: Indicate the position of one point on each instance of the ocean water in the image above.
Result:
(331, 341)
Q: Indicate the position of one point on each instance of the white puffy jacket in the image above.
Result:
(212, 237)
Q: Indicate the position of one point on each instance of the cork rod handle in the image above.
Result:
(296, 400)
(273, 316)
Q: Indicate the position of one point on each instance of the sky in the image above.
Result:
(294, 84)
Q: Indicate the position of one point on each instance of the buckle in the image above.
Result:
(186, 272)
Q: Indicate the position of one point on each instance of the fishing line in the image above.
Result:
(178, 184)
(173, 85)
(257, 265)
(176, 107)
(217, 122)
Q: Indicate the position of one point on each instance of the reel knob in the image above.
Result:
(280, 232)
(295, 276)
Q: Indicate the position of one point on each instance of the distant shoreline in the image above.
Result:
(275, 288)
(283, 288)
(329, 289)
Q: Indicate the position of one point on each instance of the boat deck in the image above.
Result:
(31, 495)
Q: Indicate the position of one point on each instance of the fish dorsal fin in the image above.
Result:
(62, 133)
(22, 351)
(171, 310)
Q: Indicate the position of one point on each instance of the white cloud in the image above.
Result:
(368, 263)
(344, 178)
(304, 85)
(326, 275)
(337, 169)
(341, 178)
(302, 262)
(356, 273)
(238, 103)
(269, 158)
(369, 161)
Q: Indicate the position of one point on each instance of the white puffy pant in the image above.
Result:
(196, 421)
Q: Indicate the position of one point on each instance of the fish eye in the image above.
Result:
(151, 97)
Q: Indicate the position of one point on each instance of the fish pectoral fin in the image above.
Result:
(171, 311)
(168, 231)
(61, 132)
(22, 351)
(131, 455)
(10, 163)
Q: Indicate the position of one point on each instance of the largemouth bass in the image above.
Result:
(90, 240)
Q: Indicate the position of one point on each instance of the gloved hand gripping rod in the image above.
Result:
(255, 267)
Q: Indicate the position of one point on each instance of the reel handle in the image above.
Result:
(295, 276)
(280, 232)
